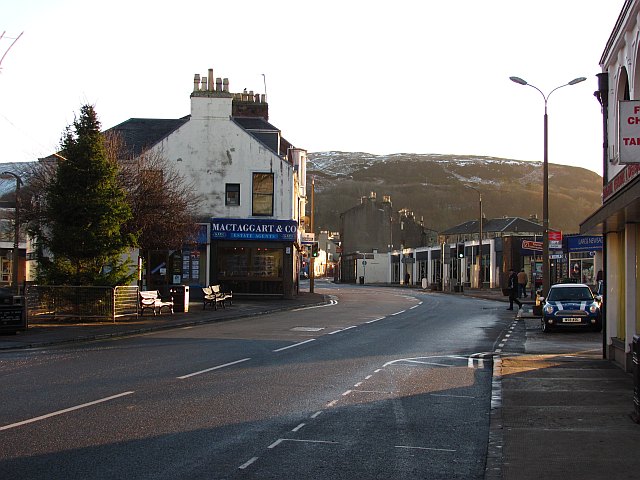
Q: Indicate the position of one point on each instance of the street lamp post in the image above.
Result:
(480, 272)
(545, 177)
(16, 235)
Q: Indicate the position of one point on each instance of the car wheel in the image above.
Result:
(546, 328)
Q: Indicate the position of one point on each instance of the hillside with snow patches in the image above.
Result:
(433, 187)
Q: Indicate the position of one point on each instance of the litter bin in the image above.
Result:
(13, 313)
(180, 294)
(361, 280)
(636, 377)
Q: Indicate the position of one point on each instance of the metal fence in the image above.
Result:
(59, 303)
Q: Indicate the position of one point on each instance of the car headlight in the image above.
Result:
(593, 308)
(548, 309)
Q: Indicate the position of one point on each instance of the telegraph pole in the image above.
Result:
(312, 259)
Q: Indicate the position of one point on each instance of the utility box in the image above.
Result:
(180, 294)
(13, 312)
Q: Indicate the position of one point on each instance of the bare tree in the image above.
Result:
(163, 203)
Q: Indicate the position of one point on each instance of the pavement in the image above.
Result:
(558, 409)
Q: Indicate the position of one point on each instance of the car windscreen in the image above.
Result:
(571, 294)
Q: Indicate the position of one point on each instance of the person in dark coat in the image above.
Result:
(512, 285)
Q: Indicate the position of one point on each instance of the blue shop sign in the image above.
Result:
(584, 243)
(254, 229)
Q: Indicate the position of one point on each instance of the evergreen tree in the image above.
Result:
(86, 211)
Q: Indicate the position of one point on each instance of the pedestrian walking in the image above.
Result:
(523, 279)
(512, 285)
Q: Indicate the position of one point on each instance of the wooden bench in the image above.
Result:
(151, 299)
(213, 295)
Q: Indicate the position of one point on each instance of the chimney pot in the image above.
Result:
(196, 82)
(210, 77)
(218, 84)
(225, 85)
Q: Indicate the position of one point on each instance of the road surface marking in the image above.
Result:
(280, 440)
(66, 410)
(295, 345)
(358, 384)
(247, 463)
(425, 448)
(346, 393)
(397, 313)
(376, 320)
(415, 306)
(298, 427)
(332, 302)
(370, 391)
(315, 415)
(332, 403)
(368, 377)
(213, 368)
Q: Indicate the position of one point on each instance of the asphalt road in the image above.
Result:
(384, 383)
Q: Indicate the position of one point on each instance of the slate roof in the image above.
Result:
(496, 225)
(140, 134)
(264, 132)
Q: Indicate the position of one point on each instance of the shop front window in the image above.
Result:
(247, 262)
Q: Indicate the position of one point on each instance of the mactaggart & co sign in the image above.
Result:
(253, 229)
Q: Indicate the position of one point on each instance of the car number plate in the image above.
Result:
(571, 320)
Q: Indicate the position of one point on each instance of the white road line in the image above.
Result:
(333, 333)
(346, 393)
(316, 414)
(332, 403)
(376, 320)
(330, 304)
(397, 313)
(501, 345)
(280, 440)
(368, 377)
(349, 328)
(66, 410)
(213, 368)
(247, 463)
(298, 427)
(378, 370)
(498, 350)
(371, 391)
(425, 448)
(276, 443)
(295, 345)
(415, 306)
(358, 384)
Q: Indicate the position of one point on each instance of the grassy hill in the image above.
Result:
(433, 187)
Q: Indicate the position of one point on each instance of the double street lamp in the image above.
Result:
(16, 235)
(545, 177)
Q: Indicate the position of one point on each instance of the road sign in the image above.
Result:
(364, 262)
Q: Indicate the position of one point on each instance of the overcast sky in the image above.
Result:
(423, 76)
